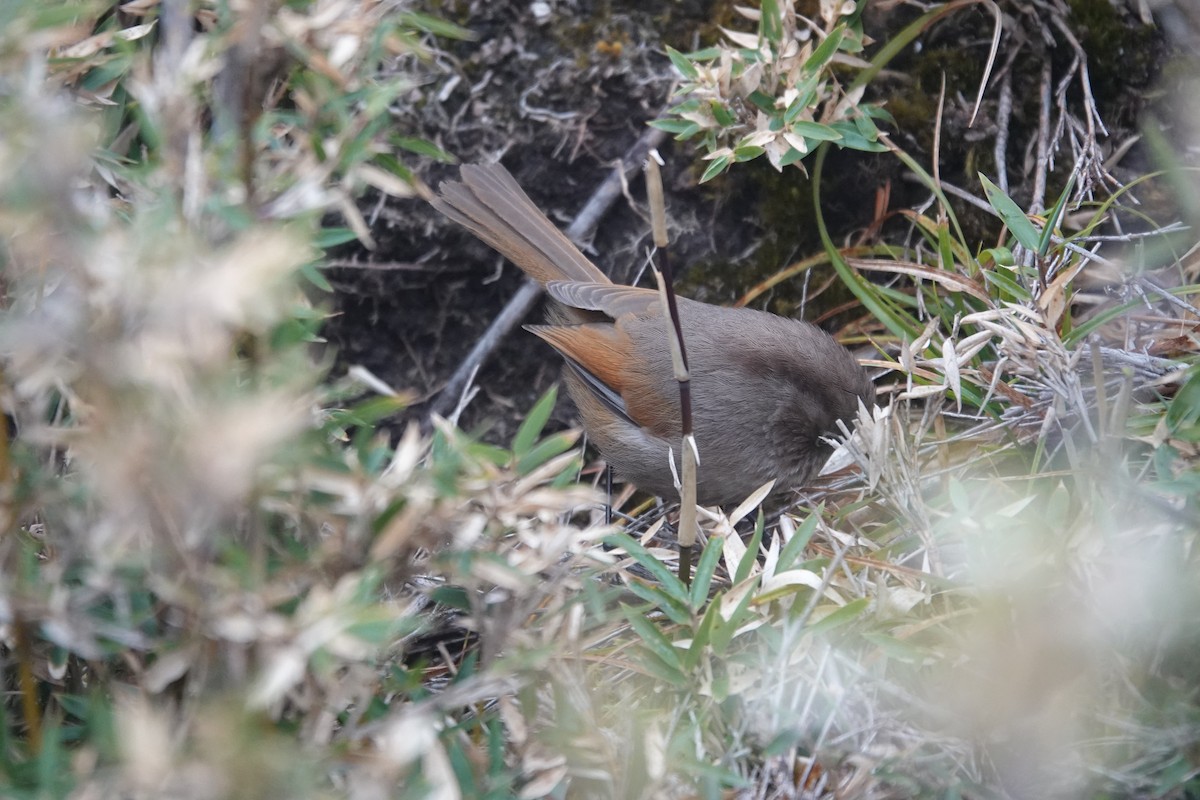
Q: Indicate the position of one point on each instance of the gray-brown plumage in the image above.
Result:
(765, 389)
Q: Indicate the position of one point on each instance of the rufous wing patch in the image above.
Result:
(597, 347)
(604, 352)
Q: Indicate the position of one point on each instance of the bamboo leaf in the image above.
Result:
(675, 611)
(800, 539)
(548, 448)
(681, 63)
(534, 422)
(1011, 215)
(750, 557)
(843, 616)
(666, 578)
(1055, 217)
(718, 165)
(705, 569)
(820, 57)
(654, 639)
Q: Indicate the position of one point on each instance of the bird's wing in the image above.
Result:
(611, 299)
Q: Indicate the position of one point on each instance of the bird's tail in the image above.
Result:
(490, 204)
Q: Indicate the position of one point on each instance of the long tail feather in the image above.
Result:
(490, 204)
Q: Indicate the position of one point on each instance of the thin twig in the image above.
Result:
(1038, 203)
(1003, 119)
(679, 363)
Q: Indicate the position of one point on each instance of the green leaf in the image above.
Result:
(852, 42)
(682, 65)
(1012, 290)
(825, 50)
(368, 412)
(1184, 412)
(844, 615)
(147, 126)
(75, 705)
(389, 163)
(815, 130)
(721, 114)
(747, 56)
(877, 112)
(723, 630)
(664, 672)
(996, 256)
(677, 612)
(36, 16)
(853, 140)
(569, 475)
(312, 273)
(545, 450)
(423, 147)
(800, 539)
(715, 168)
(1178, 773)
(807, 94)
(682, 128)
(714, 777)
(866, 127)
(1011, 215)
(897, 649)
(1080, 332)
(705, 569)
(654, 639)
(705, 54)
(375, 102)
(332, 237)
(378, 632)
(747, 153)
(751, 555)
(930, 184)
(784, 741)
(105, 73)
(534, 422)
(54, 774)
(665, 577)
(763, 101)
(451, 597)
(791, 157)
(770, 21)
(467, 669)
(1055, 217)
(703, 635)
(435, 25)
(945, 246)
(482, 451)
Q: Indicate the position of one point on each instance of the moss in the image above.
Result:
(782, 206)
(913, 111)
(679, 24)
(1123, 55)
(961, 66)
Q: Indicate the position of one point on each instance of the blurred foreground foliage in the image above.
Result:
(208, 553)
(219, 580)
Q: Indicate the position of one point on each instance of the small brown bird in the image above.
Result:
(765, 389)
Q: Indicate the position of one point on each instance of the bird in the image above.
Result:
(765, 389)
